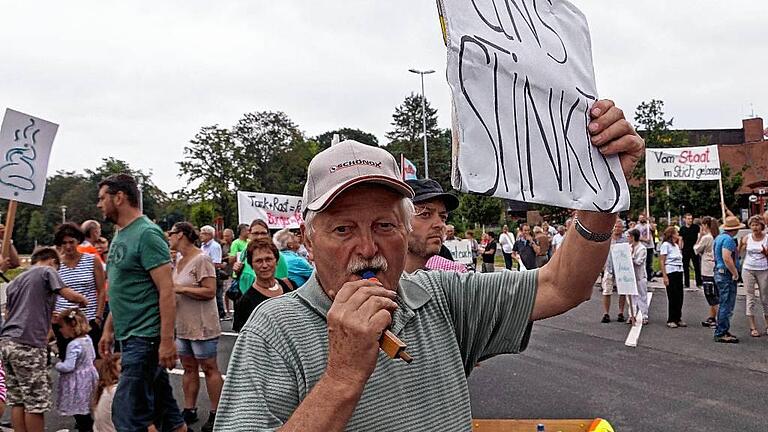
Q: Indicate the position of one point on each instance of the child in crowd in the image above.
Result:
(109, 374)
(78, 376)
(24, 338)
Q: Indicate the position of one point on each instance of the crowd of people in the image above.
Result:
(311, 307)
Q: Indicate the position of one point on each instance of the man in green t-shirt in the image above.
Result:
(142, 312)
(240, 244)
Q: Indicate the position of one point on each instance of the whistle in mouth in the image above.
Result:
(389, 343)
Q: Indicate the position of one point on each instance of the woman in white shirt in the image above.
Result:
(507, 242)
(703, 248)
(755, 271)
(672, 272)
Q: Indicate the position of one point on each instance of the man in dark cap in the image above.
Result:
(432, 205)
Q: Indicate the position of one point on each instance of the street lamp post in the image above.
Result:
(63, 214)
(423, 116)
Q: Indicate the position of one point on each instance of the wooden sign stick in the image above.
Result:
(9, 219)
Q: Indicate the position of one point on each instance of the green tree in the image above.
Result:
(209, 164)
(202, 213)
(264, 152)
(478, 209)
(406, 138)
(36, 226)
(324, 139)
(260, 137)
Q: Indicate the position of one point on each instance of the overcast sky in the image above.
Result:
(137, 79)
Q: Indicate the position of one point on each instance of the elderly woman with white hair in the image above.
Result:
(299, 269)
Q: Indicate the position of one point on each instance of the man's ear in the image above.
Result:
(307, 242)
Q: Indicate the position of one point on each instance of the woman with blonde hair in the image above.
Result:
(754, 271)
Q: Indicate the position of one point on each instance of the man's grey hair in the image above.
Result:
(405, 208)
(281, 238)
(88, 226)
(208, 230)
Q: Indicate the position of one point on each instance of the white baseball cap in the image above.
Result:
(346, 164)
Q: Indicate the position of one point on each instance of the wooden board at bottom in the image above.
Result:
(550, 425)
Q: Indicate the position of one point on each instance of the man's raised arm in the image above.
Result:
(568, 279)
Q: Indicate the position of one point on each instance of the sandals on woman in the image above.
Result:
(754, 333)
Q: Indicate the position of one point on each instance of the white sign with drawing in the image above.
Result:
(25, 146)
(461, 250)
(623, 270)
(278, 211)
(522, 84)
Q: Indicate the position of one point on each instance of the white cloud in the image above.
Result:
(136, 80)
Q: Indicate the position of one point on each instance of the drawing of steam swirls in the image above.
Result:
(18, 171)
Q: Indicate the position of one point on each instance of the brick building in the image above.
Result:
(745, 148)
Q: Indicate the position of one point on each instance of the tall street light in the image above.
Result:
(423, 116)
(63, 214)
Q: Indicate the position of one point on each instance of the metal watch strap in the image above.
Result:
(589, 235)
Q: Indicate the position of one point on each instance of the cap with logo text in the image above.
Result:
(346, 164)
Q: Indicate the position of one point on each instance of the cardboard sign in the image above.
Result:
(25, 146)
(461, 250)
(278, 211)
(522, 84)
(684, 163)
(623, 269)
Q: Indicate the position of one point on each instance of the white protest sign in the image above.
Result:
(684, 163)
(25, 146)
(522, 84)
(623, 270)
(278, 211)
(461, 250)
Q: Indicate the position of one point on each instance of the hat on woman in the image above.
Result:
(732, 224)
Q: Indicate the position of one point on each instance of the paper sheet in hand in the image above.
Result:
(25, 147)
(522, 83)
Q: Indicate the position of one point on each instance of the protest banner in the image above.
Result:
(461, 250)
(683, 163)
(25, 143)
(623, 270)
(522, 84)
(278, 211)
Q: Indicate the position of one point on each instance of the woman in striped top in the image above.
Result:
(83, 273)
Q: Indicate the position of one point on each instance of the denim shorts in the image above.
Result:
(144, 395)
(199, 349)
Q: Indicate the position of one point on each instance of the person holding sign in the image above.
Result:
(638, 262)
(703, 248)
(608, 282)
(327, 333)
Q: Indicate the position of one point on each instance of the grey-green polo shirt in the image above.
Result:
(448, 320)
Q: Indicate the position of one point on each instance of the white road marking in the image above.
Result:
(229, 334)
(177, 371)
(634, 331)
